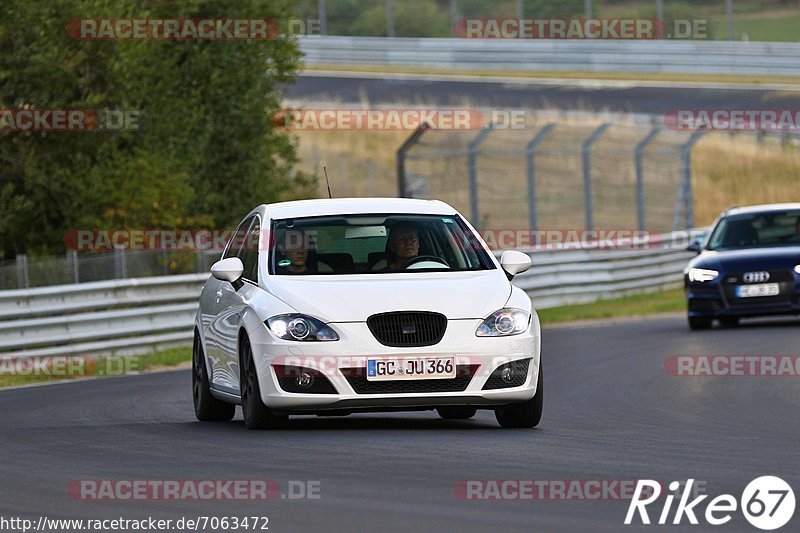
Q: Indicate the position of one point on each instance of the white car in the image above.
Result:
(330, 307)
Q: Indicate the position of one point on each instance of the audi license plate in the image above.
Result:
(395, 368)
(754, 291)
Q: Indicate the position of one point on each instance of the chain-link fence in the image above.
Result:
(590, 174)
(75, 267)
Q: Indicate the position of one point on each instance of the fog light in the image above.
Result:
(304, 379)
(507, 375)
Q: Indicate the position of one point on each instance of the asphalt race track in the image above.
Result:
(611, 412)
(592, 96)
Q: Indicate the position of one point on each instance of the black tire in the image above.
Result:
(206, 407)
(256, 414)
(525, 414)
(456, 412)
(729, 321)
(699, 322)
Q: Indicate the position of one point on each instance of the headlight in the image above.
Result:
(702, 274)
(296, 327)
(503, 323)
(797, 269)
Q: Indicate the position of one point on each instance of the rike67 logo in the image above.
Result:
(767, 503)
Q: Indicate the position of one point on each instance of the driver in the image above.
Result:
(402, 246)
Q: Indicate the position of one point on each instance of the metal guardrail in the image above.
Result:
(690, 56)
(133, 316)
(122, 317)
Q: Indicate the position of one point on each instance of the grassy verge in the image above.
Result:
(79, 368)
(637, 305)
(561, 74)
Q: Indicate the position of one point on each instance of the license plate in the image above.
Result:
(396, 368)
(754, 291)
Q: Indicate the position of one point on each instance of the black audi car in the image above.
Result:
(749, 265)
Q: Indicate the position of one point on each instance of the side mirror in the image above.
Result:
(514, 262)
(695, 246)
(229, 269)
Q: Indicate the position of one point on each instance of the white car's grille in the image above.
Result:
(408, 328)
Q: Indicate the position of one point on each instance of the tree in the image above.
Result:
(207, 151)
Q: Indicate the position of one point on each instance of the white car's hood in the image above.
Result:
(354, 297)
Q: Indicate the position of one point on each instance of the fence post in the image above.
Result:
(639, 154)
(472, 167)
(370, 178)
(120, 270)
(586, 154)
(685, 199)
(72, 259)
(389, 18)
(401, 157)
(530, 160)
(323, 17)
(23, 279)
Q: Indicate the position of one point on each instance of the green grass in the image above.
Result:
(100, 367)
(784, 29)
(638, 305)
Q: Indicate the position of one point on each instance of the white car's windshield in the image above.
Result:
(374, 244)
(757, 229)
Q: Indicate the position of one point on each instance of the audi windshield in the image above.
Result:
(772, 228)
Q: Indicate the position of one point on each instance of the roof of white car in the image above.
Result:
(355, 206)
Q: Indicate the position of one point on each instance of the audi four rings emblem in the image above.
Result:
(755, 277)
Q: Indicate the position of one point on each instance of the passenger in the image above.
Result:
(296, 255)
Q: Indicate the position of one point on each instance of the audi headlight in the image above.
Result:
(503, 323)
(296, 327)
(702, 274)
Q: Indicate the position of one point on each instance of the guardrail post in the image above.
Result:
(23, 279)
(530, 159)
(409, 143)
(685, 199)
(586, 154)
(472, 167)
(639, 154)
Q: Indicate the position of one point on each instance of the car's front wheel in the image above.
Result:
(699, 322)
(206, 407)
(456, 412)
(256, 414)
(525, 414)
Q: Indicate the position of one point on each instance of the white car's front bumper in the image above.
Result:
(335, 361)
